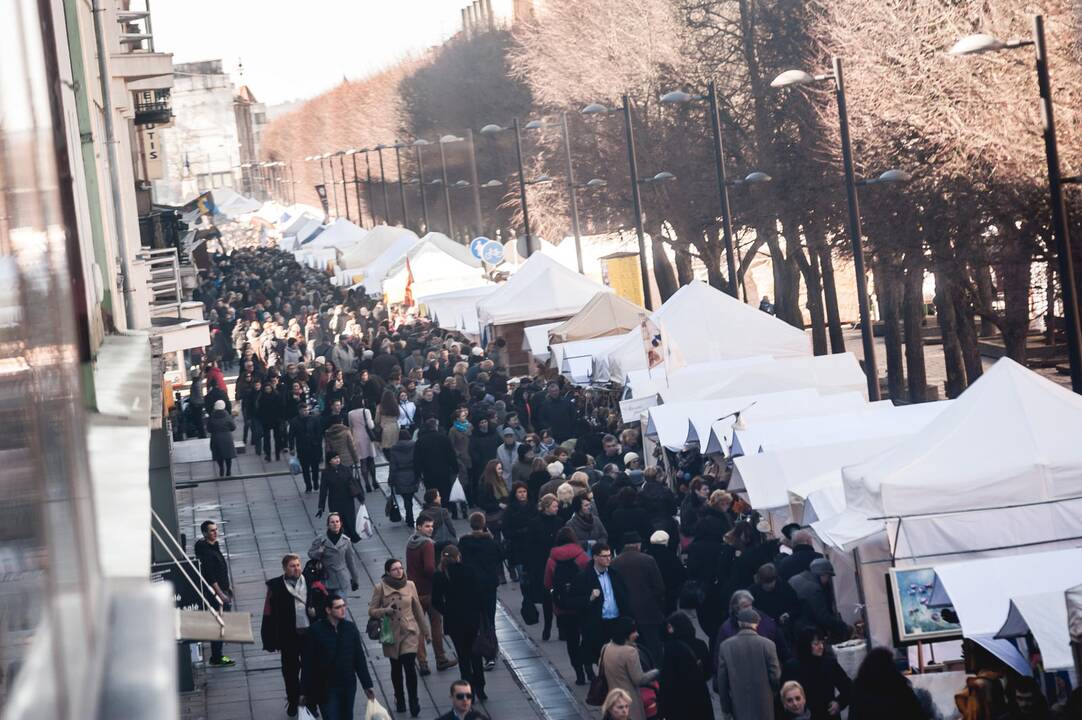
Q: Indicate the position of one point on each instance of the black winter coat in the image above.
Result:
(306, 438)
(558, 416)
(334, 491)
(434, 459)
(454, 594)
(823, 681)
(682, 691)
(402, 477)
(481, 553)
(516, 521)
(332, 658)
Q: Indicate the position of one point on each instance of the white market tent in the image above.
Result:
(583, 361)
(828, 374)
(685, 383)
(1003, 461)
(438, 265)
(542, 289)
(340, 233)
(702, 324)
(376, 242)
(982, 592)
(372, 275)
(302, 228)
(537, 340)
(874, 420)
(457, 310)
(232, 204)
(676, 424)
(606, 314)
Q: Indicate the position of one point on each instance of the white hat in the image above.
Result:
(763, 526)
(556, 469)
(219, 404)
(630, 458)
(477, 351)
(660, 537)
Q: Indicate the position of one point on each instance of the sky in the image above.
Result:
(296, 49)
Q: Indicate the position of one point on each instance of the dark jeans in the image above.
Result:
(568, 624)
(310, 470)
(650, 640)
(471, 665)
(594, 636)
(247, 426)
(407, 510)
(196, 413)
(368, 471)
(216, 647)
(257, 433)
(488, 602)
(291, 665)
(405, 664)
(225, 467)
(279, 441)
(339, 703)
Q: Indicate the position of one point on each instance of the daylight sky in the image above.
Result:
(295, 49)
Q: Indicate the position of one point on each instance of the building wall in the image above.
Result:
(202, 149)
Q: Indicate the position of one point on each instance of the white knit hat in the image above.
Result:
(660, 537)
(219, 404)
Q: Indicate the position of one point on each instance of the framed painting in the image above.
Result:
(915, 618)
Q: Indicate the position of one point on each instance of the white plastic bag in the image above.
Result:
(304, 713)
(457, 493)
(364, 523)
(375, 711)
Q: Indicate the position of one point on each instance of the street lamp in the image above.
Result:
(446, 185)
(571, 186)
(417, 145)
(383, 184)
(342, 166)
(401, 187)
(352, 152)
(982, 43)
(799, 77)
(711, 97)
(493, 129)
(330, 171)
(636, 181)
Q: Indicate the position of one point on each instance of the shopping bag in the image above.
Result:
(457, 493)
(294, 466)
(304, 713)
(364, 523)
(386, 631)
(485, 643)
(391, 509)
(375, 711)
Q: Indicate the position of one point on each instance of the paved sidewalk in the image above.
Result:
(263, 518)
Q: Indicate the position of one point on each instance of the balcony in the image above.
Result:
(153, 107)
(134, 58)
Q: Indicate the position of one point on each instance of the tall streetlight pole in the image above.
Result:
(417, 145)
(342, 167)
(292, 185)
(856, 237)
(1060, 234)
(446, 186)
(356, 184)
(383, 185)
(473, 181)
(522, 189)
(330, 169)
(401, 187)
(572, 192)
(368, 185)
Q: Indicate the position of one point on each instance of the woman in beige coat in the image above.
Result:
(622, 666)
(388, 420)
(396, 597)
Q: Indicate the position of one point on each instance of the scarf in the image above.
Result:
(394, 584)
(299, 590)
(462, 426)
(333, 537)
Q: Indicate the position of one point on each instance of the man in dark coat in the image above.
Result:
(482, 554)
(287, 613)
(600, 596)
(434, 458)
(640, 571)
(672, 570)
(306, 439)
(776, 599)
(803, 554)
(336, 494)
(332, 662)
(556, 413)
(215, 572)
(270, 411)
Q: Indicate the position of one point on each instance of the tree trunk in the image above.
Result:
(684, 273)
(888, 293)
(986, 291)
(818, 246)
(948, 326)
(1016, 281)
(967, 337)
(786, 278)
(664, 274)
(913, 321)
(809, 269)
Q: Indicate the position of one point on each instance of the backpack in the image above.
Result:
(563, 576)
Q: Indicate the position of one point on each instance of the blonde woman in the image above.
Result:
(617, 705)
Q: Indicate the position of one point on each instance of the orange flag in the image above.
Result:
(407, 299)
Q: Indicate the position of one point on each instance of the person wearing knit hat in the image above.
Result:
(220, 427)
(632, 462)
(748, 672)
(672, 570)
(659, 537)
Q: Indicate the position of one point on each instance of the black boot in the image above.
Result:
(580, 676)
(400, 704)
(589, 669)
(415, 707)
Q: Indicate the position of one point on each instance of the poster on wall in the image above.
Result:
(915, 619)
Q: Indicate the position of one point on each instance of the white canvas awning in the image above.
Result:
(720, 434)
(457, 310)
(1045, 616)
(839, 372)
(687, 382)
(537, 340)
(542, 289)
(585, 359)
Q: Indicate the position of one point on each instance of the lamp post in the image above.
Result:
(292, 185)
(401, 187)
(799, 77)
(719, 168)
(636, 181)
(368, 185)
(446, 186)
(572, 188)
(522, 181)
(356, 184)
(342, 167)
(383, 185)
(417, 145)
(473, 181)
(330, 172)
(981, 43)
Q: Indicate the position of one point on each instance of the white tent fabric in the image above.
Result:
(320, 259)
(584, 360)
(606, 314)
(702, 324)
(537, 340)
(376, 271)
(719, 435)
(232, 204)
(456, 250)
(457, 310)
(376, 242)
(676, 424)
(305, 228)
(687, 382)
(1044, 615)
(874, 420)
(826, 373)
(1002, 461)
(341, 234)
(542, 289)
(436, 268)
(981, 590)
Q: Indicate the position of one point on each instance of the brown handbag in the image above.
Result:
(599, 686)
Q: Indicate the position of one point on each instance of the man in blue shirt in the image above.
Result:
(600, 596)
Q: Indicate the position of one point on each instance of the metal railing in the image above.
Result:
(136, 32)
(163, 276)
(183, 560)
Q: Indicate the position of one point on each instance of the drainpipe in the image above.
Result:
(114, 177)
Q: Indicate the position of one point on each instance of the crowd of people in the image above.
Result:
(665, 589)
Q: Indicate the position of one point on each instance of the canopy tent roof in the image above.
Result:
(606, 314)
(701, 324)
(1044, 615)
(541, 289)
(341, 234)
(232, 204)
(878, 419)
(981, 591)
(536, 340)
(303, 227)
(456, 250)
(583, 361)
(833, 373)
(719, 434)
(685, 383)
(376, 242)
(677, 424)
(291, 212)
(434, 271)
(457, 310)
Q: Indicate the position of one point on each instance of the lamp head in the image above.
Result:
(492, 184)
(594, 109)
(450, 139)
(757, 177)
(974, 44)
(663, 175)
(792, 77)
(894, 175)
(534, 125)
(420, 142)
(461, 184)
(491, 129)
(596, 182)
(677, 96)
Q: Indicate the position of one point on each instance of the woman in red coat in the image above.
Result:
(566, 560)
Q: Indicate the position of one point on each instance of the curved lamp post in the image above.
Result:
(982, 43)
(492, 129)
